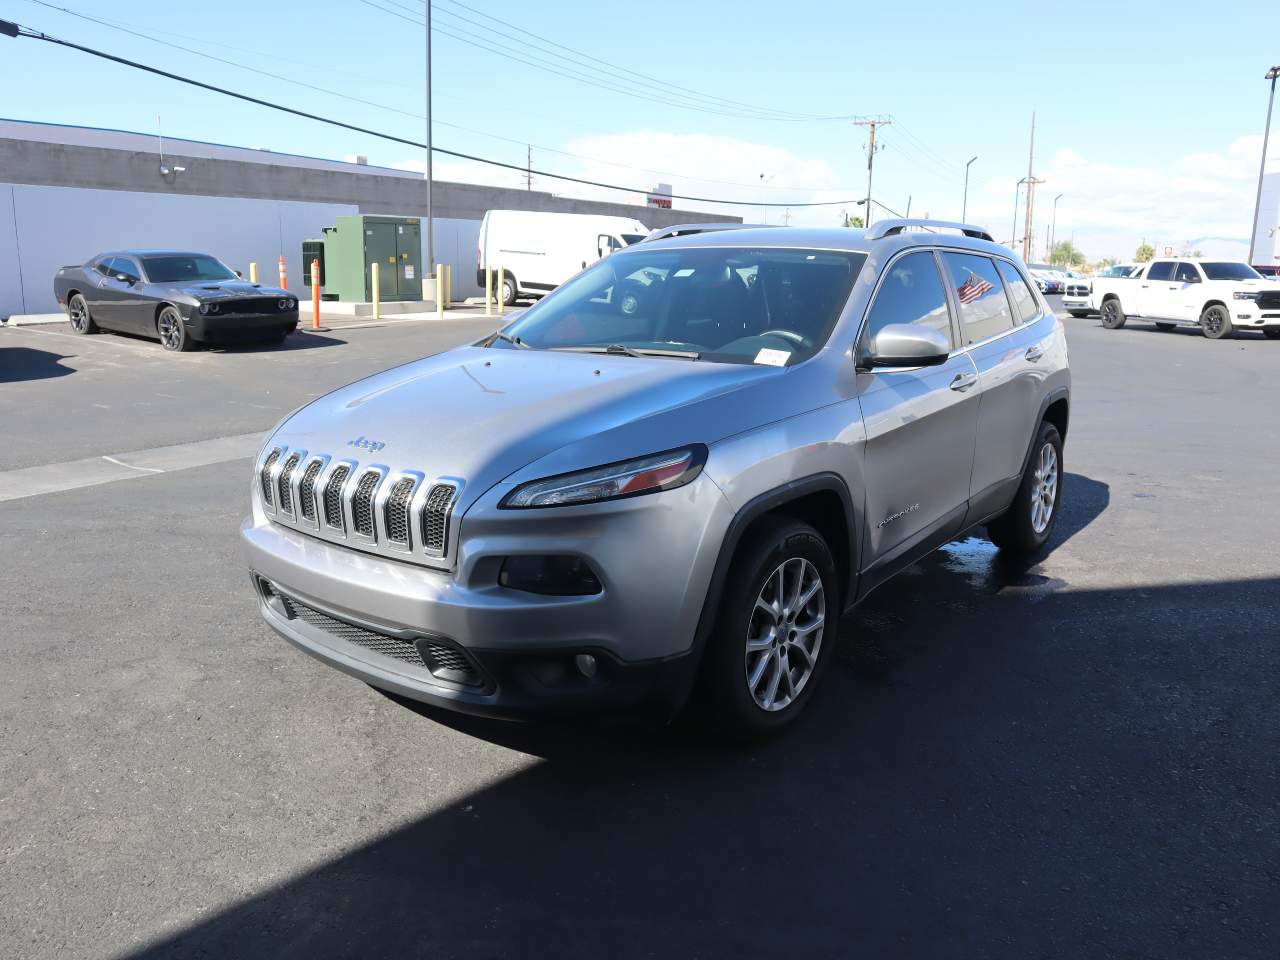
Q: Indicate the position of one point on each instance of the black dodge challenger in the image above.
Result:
(182, 298)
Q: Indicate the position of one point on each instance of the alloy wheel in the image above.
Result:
(784, 634)
(78, 314)
(1213, 321)
(1044, 492)
(170, 328)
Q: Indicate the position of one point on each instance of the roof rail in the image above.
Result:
(688, 229)
(888, 228)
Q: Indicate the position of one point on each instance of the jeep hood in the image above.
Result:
(479, 414)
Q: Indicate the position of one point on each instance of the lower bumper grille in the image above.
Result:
(443, 660)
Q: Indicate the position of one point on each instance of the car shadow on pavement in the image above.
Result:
(299, 340)
(1045, 771)
(19, 364)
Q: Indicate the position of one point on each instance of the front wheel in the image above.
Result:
(1216, 322)
(173, 332)
(1026, 526)
(776, 629)
(1112, 316)
(78, 315)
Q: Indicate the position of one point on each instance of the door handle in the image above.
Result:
(963, 381)
(1034, 353)
(1144, 286)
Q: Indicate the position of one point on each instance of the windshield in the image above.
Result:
(630, 238)
(1230, 271)
(770, 306)
(186, 269)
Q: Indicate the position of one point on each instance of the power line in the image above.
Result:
(29, 33)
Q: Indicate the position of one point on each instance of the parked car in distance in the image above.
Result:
(604, 502)
(1268, 269)
(1047, 281)
(537, 251)
(182, 299)
(1078, 297)
(1217, 296)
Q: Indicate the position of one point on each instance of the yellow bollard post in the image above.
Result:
(488, 291)
(253, 273)
(375, 276)
(448, 286)
(502, 300)
(439, 291)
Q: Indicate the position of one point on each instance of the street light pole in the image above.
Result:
(1262, 166)
(430, 266)
(1053, 226)
(964, 207)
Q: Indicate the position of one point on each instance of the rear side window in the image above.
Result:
(103, 266)
(1024, 301)
(1187, 273)
(1161, 270)
(984, 309)
(911, 292)
(125, 266)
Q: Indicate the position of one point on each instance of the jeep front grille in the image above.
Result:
(307, 490)
(435, 519)
(286, 488)
(268, 494)
(443, 660)
(362, 504)
(333, 497)
(397, 511)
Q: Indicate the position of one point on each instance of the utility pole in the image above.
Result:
(528, 167)
(871, 124)
(908, 206)
(1027, 238)
(964, 207)
(1262, 167)
(431, 245)
(1013, 231)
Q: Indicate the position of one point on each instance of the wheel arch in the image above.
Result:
(1216, 302)
(1055, 408)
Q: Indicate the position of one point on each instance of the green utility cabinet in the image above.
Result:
(353, 243)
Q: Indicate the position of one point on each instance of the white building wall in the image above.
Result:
(1266, 242)
(45, 227)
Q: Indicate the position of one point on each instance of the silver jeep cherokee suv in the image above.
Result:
(673, 474)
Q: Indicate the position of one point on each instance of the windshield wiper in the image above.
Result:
(503, 335)
(621, 349)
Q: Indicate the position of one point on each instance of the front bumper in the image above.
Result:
(217, 328)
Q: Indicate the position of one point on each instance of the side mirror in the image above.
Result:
(906, 345)
(239, 274)
(125, 278)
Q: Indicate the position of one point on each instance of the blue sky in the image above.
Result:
(1148, 121)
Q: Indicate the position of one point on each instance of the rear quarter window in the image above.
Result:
(1020, 295)
(984, 309)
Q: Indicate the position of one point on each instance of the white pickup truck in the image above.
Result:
(1218, 296)
(1081, 296)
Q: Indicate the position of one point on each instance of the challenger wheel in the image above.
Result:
(172, 330)
(1112, 316)
(1216, 322)
(1026, 526)
(776, 629)
(78, 315)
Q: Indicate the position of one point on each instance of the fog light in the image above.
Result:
(554, 576)
(586, 665)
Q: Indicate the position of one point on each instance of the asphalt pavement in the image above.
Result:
(1072, 759)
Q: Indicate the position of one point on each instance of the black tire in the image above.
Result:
(508, 289)
(1017, 531)
(1079, 314)
(172, 331)
(1165, 326)
(773, 544)
(1113, 317)
(1271, 333)
(1215, 322)
(79, 317)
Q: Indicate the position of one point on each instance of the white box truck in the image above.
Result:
(538, 251)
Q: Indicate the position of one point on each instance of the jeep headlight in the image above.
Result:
(1246, 295)
(613, 481)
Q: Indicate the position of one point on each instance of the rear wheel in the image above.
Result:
(1026, 526)
(1216, 322)
(78, 315)
(1165, 326)
(173, 332)
(1112, 316)
(775, 631)
(509, 290)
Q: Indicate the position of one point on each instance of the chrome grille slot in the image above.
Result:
(435, 519)
(333, 497)
(307, 490)
(286, 489)
(396, 512)
(268, 489)
(362, 504)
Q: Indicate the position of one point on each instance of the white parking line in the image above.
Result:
(56, 477)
